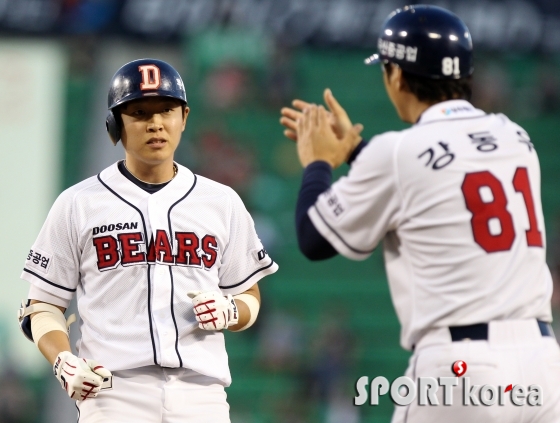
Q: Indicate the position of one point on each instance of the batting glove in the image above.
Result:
(214, 311)
(81, 378)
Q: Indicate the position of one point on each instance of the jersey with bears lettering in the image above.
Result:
(132, 257)
(456, 201)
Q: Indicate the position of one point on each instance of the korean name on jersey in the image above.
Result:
(456, 201)
(132, 257)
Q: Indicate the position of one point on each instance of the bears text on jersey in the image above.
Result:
(129, 249)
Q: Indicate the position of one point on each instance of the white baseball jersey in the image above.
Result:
(456, 200)
(132, 257)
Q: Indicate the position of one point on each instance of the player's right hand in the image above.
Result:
(81, 378)
(338, 118)
(213, 311)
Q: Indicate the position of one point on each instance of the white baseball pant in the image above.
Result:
(154, 394)
(515, 353)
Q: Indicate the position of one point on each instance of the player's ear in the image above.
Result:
(400, 80)
(186, 110)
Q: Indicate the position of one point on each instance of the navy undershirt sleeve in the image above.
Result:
(357, 151)
(317, 178)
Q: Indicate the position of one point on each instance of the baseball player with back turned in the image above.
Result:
(161, 261)
(456, 201)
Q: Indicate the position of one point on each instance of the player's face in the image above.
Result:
(152, 129)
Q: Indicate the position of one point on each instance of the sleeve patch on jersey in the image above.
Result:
(334, 203)
(38, 260)
(259, 255)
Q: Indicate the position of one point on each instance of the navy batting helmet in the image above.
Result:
(427, 41)
(141, 78)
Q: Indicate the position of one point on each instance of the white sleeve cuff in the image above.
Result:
(334, 238)
(46, 285)
(250, 280)
(46, 297)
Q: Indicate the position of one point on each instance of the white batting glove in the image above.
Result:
(81, 378)
(214, 311)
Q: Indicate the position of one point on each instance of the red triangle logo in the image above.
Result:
(508, 388)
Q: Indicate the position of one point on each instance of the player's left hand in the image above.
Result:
(213, 311)
(318, 141)
(338, 118)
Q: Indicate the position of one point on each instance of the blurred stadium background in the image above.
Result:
(322, 326)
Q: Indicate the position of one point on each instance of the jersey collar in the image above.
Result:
(449, 110)
(181, 183)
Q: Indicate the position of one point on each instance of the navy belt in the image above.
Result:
(479, 331)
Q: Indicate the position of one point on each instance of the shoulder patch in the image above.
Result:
(260, 255)
(335, 204)
(38, 260)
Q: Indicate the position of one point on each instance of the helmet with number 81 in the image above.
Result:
(137, 79)
(427, 41)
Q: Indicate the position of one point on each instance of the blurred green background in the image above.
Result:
(322, 325)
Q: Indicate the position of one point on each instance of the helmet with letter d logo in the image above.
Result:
(137, 79)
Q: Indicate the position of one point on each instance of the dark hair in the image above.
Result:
(435, 90)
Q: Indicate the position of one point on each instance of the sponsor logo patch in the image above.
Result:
(38, 260)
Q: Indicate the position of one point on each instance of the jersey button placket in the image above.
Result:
(162, 315)
(162, 292)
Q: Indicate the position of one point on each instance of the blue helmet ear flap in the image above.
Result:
(113, 127)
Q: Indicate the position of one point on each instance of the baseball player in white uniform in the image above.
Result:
(455, 199)
(161, 260)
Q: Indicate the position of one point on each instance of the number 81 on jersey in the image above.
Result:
(483, 211)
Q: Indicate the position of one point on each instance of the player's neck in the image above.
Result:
(150, 173)
(411, 108)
